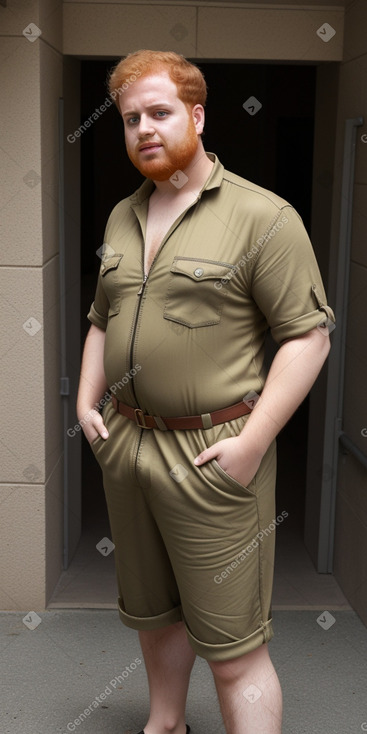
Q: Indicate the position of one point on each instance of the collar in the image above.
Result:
(213, 181)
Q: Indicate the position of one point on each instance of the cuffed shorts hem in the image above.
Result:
(231, 650)
(150, 623)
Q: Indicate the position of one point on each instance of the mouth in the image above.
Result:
(149, 147)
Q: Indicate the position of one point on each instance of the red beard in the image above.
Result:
(164, 166)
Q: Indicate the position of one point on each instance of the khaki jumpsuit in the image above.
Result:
(191, 543)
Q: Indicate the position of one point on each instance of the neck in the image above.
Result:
(197, 173)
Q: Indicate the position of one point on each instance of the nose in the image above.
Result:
(145, 127)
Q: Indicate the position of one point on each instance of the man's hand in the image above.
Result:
(92, 385)
(93, 425)
(239, 461)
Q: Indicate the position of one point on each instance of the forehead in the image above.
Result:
(149, 90)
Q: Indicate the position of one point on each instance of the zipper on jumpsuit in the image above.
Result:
(139, 294)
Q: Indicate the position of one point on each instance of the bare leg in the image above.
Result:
(249, 693)
(168, 659)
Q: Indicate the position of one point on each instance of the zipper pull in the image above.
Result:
(142, 285)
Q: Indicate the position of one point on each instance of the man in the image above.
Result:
(199, 264)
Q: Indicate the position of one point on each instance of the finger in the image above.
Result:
(99, 425)
(205, 456)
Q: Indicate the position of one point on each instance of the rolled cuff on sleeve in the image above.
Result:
(96, 318)
(323, 316)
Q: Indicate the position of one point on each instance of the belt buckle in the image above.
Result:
(139, 416)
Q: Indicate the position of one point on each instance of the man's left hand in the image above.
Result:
(239, 461)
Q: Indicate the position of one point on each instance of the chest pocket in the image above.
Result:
(196, 291)
(112, 283)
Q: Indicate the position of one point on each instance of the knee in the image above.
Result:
(228, 671)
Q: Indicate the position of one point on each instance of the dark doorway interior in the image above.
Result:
(273, 148)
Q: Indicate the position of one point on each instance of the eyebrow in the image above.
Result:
(148, 107)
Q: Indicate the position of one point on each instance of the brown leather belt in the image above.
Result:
(185, 422)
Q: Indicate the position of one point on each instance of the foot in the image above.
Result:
(187, 730)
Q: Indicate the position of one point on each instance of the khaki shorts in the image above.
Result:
(191, 543)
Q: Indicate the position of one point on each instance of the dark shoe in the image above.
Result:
(187, 730)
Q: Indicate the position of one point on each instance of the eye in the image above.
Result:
(161, 113)
(132, 120)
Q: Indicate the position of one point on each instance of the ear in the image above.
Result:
(198, 115)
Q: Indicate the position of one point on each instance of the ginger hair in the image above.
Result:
(189, 80)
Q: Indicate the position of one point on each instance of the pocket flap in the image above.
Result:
(201, 269)
(110, 263)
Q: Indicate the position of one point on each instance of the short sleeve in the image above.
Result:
(286, 281)
(98, 314)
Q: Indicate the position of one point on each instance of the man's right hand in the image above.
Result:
(93, 425)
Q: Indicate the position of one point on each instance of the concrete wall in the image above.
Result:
(350, 566)
(30, 449)
(205, 30)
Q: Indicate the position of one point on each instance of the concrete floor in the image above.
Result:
(52, 673)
